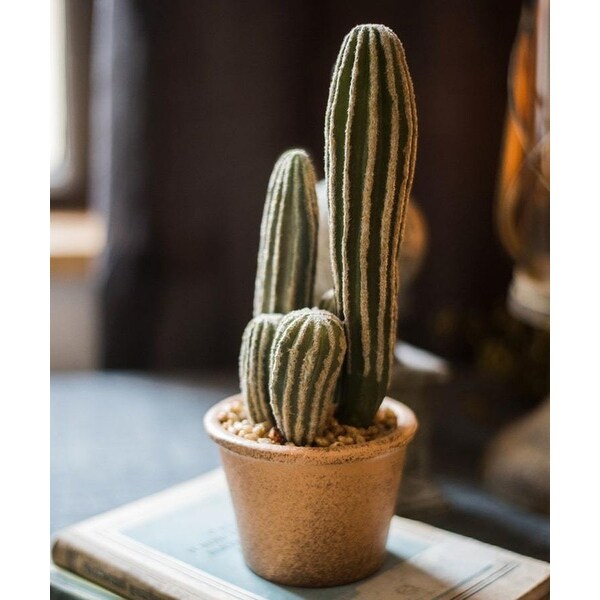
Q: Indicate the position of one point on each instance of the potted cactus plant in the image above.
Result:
(312, 449)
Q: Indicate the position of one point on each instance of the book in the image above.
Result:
(65, 585)
(182, 544)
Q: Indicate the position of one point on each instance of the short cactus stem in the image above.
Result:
(254, 366)
(370, 148)
(288, 237)
(308, 353)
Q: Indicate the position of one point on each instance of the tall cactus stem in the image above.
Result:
(370, 149)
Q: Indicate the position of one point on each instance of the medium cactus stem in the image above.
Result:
(308, 352)
(254, 366)
(370, 148)
(288, 237)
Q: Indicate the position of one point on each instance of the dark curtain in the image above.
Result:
(194, 101)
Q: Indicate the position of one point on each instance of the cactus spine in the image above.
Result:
(254, 366)
(308, 352)
(370, 147)
(288, 237)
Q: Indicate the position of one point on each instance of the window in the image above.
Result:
(70, 65)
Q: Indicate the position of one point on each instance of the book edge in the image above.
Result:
(133, 575)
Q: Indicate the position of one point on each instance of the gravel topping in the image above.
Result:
(235, 420)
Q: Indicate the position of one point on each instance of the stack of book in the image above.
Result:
(182, 544)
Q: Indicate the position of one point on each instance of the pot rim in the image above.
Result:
(400, 437)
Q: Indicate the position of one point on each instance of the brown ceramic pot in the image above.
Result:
(314, 517)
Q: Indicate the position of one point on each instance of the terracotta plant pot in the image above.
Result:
(314, 517)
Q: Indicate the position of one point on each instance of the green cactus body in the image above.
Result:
(370, 148)
(288, 237)
(254, 366)
(308, 353)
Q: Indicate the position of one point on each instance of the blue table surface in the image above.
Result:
(117, 437)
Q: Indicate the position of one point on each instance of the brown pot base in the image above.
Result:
(314, 517)
(318, 580)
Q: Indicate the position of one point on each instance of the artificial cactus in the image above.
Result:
(307, 356)
(288, 237)
(254, 366)
(370, 148)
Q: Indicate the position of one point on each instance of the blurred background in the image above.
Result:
(167, 118)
